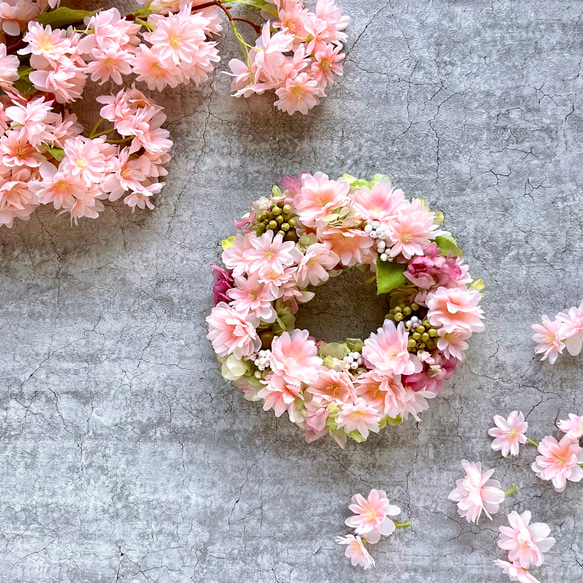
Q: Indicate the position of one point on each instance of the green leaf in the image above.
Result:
(356, 436)
(389, 276)
(478, 285)
(354, 344)
(448, 244)
(64, 16)
(57, 153)
(24, 71)
(228, 242)
(24, 87)
(334, 349)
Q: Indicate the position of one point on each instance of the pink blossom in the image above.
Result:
(8, 68)
(125, 175)
(232, 333)
(250, 296)
(436, 369)
(315, 264)
(432, 269)
(43, 41)
(356, 551)
(455, 309)
(453, 343)
(380, 203)
(353, 246)
(236, 257)
(223, 282)
(332, 387)
(550, 337)
(509, 433)
(31, 118)
(110, 63)
(294, 357)
(477, 492)
(359, 416)
(572, 427)
(17, 151)
(573, 329)
(385, 393)
(300, 93)
(525, 542)
(515, 572)
(412, 231)
(386, 351)
(279, 395)
(14, 14)
(318, 197)
(370, 518)
(66, 81)
(88, 159)
(559, 461)
(62, 189)
(271, 253)
(154, 71)
(327, 64)
(16, 199)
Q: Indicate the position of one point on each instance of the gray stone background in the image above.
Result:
(126, 457)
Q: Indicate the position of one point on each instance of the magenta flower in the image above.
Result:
(477, 492)
(525, 542)
(508, 433)
(370, 518)
(223, 282)
(559, 461)
(572, 427)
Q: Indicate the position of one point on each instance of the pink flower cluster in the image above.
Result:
(370, 521)
(297, 55)
(565, 331)
(558, 462)
(299, 238)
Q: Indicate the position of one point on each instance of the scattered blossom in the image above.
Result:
(559, 461)
(356, 551)
(572, 427)
(515, 572)
(509, 433)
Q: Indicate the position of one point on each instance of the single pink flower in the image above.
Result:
(271, 253)
(332, 387)
(327, 64)
(572, 427)
(453, 343)
(525, 542)
(516, 572)
(15, 150)
(353, 246)
(356, 551)
(385, 393)
(31, 118)
(236, 257)
(300, 93)
(573, 329)
(232, 333)
(279, 395)
(370, 519)
(380, 203)
(318, 197)
(550, 338)
(8, 68)
(386, 351)
(315, 264)
(294, 357)
(477, 492)
(412, 230)
(359, 416)
(509, 433)
(89, 159)
(455, 309)
(45, 42)
(154, 71)
(559, 461)
(250, 296)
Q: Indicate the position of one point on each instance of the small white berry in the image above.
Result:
(354, 365)
(384, 257)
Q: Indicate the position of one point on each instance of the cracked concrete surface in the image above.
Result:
(125, 457)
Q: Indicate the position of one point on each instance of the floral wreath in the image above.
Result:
(312, 229)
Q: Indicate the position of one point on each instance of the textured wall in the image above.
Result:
(125, 457)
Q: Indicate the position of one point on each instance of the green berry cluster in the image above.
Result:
(422, 336)
(277, 218)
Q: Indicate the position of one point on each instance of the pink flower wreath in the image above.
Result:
(306, 232)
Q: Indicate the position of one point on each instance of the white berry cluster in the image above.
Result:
(262, 360)
(377, 232)
(352, 361)
(413, 322)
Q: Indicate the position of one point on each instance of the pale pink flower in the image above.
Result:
(279, 395)
(385, 393)
(315, 264)
(559, 461)
(370, 518)
(45, 42)
(271, 253)
(109, 30)
(236, 257)
(250, 296)
(110, 63)
(17, 151)
(88, 159)
(8, 68)
(14, 14)
(572, 427)
(525, 542)
(573, 329)
(327, 64)
(141, 196)
(66, 81)
(64, 128)
(332, 387)
(353, 246)
(31, 119)
(550, 338)
(386, 351)
(359, 416)
(154, 71)
(294, 357)
(125, 175)
(300, 93)
(269, 58)
(516, 572)
(61, 189)
(381, 203)
(232, 333)
(356, 551)
(331, 14)
(509, 433)
(318, 197)
(477, 492)
(145, 125)
(412, 230)
(16, 199)
(455, 309)
(453, 343)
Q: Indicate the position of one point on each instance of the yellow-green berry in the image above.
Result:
(272, 225)
(398, 316)
(407, 310)
(425, 337)
(414, 306)
(286, 209)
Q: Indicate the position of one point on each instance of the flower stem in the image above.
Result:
(532, 441)
(95, 127)
(514, 488)
(398, 524)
